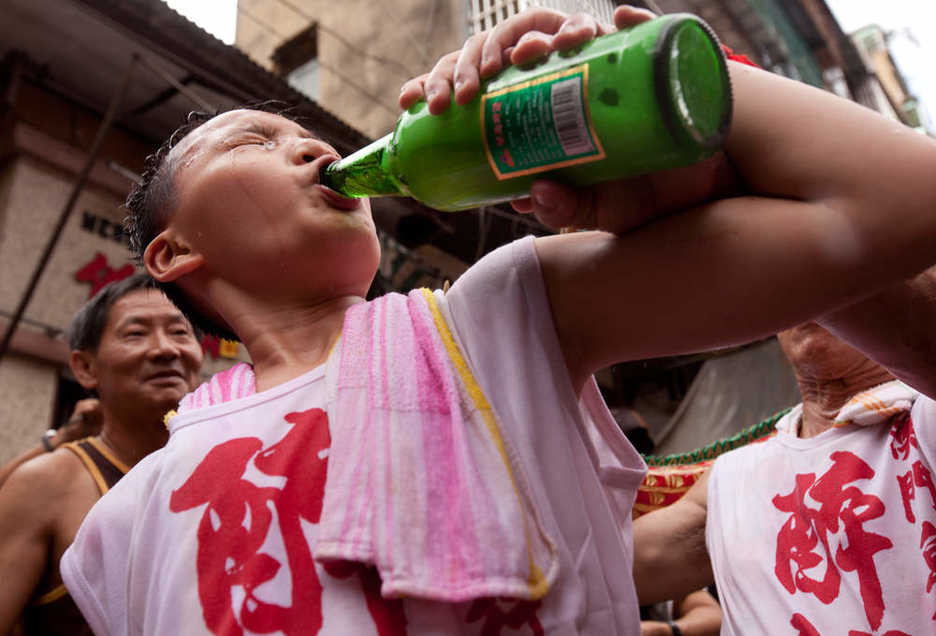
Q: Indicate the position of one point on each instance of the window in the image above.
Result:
(296, 60)
(484, 14)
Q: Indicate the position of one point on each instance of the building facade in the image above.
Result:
(62, 62)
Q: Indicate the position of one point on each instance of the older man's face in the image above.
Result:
(148, 356)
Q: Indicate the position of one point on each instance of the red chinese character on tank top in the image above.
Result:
(805, 628)
(903, 436)
(238, 520)
(808, 538)
(496, 614)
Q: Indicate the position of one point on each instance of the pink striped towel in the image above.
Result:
(233, 383)
(422, 481)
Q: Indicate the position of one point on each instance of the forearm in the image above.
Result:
(670, 558)
(24, 545)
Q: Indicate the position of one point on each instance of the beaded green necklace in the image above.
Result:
(713, 450)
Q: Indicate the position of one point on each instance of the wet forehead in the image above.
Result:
(217, 130)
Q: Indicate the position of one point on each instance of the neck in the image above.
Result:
(133, 436)
(286, 342)
(823, 398)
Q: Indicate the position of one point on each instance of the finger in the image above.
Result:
(438, 85)
(467, 81)
(575, 31)
(627, 16)
(508, 33)
(413, 91)
(558, 206)
(531, 46)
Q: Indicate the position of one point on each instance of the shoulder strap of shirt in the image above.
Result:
(104, 467)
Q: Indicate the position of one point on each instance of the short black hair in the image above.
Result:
(87, 327)
(151, 201)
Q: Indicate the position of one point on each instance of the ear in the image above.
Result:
(168, 257)
(82, 365)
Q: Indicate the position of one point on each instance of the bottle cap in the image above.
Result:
(692, 82)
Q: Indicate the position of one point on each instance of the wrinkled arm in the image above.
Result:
(25, 535)
(670, 557)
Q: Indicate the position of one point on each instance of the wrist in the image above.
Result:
(674, 628)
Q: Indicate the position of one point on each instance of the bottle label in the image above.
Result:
(539, 125)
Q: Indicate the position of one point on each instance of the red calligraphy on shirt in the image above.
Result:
(919, 476)
(903, 436)
(806, 628)
(802, 624)
(497, 614)
(238, 519)
(841, 508)
(928, 546)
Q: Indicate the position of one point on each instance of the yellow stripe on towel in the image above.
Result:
(537, 582)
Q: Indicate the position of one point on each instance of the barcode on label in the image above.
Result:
(569, 117)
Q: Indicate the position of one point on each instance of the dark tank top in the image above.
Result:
(55, 613)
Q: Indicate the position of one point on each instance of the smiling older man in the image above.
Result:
(132, 347)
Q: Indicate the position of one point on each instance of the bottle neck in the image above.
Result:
(361, 174)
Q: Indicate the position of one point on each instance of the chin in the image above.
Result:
(166, 399)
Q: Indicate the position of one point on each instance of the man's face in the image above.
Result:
(148, 356)
(248, 199)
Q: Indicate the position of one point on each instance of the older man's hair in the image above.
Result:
(87, 327)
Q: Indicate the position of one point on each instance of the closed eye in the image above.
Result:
(246, 140)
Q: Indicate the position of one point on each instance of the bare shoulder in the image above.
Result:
(42, 483)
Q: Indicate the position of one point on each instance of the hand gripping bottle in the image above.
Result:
(645, 99)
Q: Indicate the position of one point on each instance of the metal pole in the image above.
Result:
(69, 205)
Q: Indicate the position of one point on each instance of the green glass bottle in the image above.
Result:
(648, 98)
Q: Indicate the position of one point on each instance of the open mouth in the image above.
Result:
(337, 200)
(332, 197)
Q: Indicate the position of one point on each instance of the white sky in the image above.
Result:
(218, 17)
(916, 18)
(914, 54)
